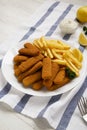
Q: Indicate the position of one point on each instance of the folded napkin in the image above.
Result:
(60, 110)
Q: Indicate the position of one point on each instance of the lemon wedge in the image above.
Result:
(78, 54)
(82, 39)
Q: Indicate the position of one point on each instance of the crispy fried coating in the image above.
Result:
(32, 70)
(32, 78)
(56, 86)
(30, 50)
(60, 76)
(55, 69)
(17, 71)
(30, 46)
(37, 85)
(30, 62)
(20, 58)
(15, 66)
(47, 68)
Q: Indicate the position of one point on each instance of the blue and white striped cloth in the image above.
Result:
(60, 111)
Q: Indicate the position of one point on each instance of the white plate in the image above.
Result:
(8, 72)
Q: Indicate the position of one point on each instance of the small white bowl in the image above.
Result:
(68, 26)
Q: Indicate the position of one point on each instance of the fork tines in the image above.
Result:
(82, 105)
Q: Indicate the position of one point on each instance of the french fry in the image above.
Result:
(49, 53)
(42, 39)
(74, 60)
(64, 44)
(56, 55)
(45, 53)
(36, 44)
(54, 45)
(68, 65)
(40, 44)
(60, 62)
(72, 67)
(60, 51)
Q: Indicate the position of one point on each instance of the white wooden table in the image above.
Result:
(13, 15)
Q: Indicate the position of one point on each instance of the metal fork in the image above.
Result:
(82, 105)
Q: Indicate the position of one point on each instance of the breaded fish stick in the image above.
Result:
(54, 87)
(20, 58)
(16, 65)
(55, 69)
(32, 70)
(30, 46)
(32, 78)
(30, 62)
(17, 72)
(30, 50)
(37, 85)
(60, 76)
(47, 68)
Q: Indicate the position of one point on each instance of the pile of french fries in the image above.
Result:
(59, 52)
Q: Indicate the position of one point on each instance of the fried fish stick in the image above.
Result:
(16, 65)
(30, 62)
(60, 76)
(47, 68)
(17, 72)
(30, 50)
(56, 86)
(55, 69)
(20, 58)
(32, 78)
(37, 85)
(30, 46)
(32, 70)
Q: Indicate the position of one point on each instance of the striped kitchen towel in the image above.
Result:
(61, 110)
